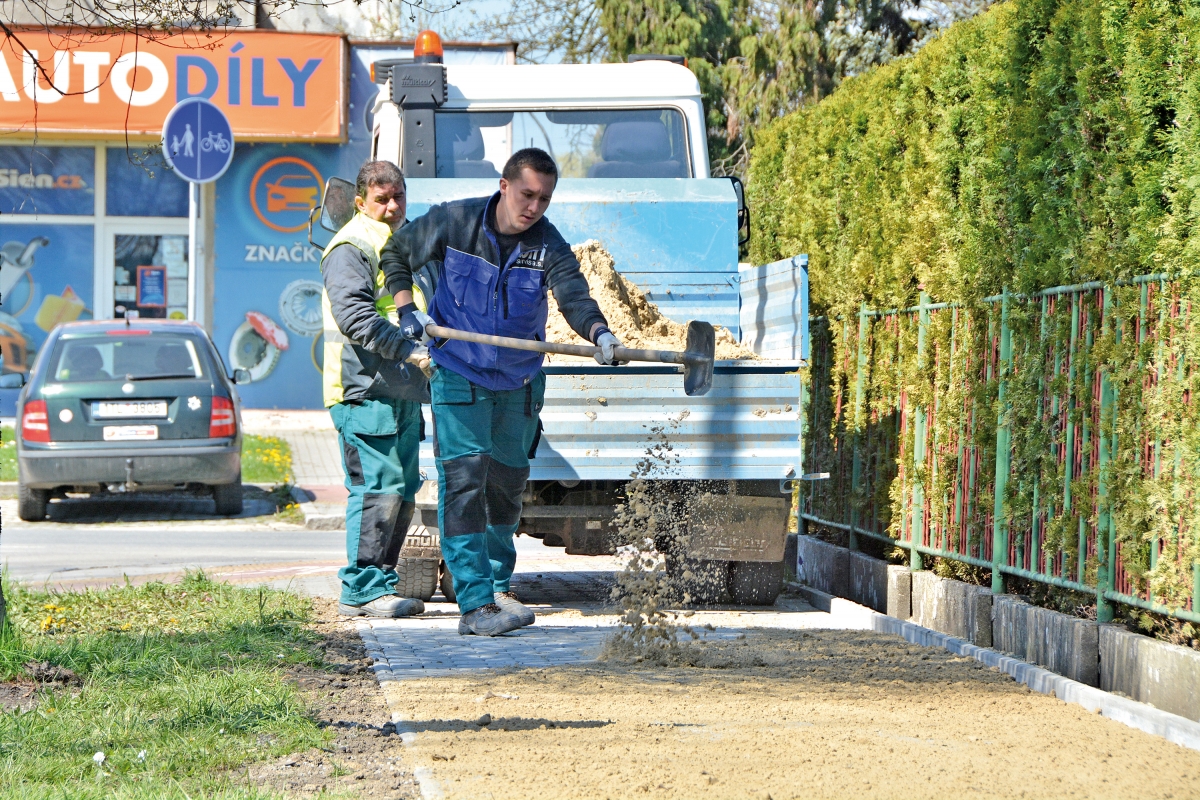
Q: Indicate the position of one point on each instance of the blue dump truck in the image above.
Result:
(629, 140)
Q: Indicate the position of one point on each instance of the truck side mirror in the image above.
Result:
(12, 380)
(743, 210)
(336, 209)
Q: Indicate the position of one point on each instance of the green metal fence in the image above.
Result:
(1052, 436)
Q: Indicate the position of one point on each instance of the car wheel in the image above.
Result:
(418, 577)
(753, 583)
(31, 503)
(229, 498)
(446, 584)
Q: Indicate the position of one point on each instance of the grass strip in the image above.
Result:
(266, 459)
(8, 453)
(178, 687)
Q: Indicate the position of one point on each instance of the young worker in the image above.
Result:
(498, 256)
(373, 397)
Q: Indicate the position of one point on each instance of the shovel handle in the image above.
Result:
(583, 350)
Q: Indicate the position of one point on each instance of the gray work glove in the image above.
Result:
(607, 343)
(412, 323)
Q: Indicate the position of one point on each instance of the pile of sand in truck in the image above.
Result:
(636, 321)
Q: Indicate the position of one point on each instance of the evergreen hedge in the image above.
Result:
(1043, 143)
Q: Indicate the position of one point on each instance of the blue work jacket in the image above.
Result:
(476, 293)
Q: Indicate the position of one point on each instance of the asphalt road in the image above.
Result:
(97, 545)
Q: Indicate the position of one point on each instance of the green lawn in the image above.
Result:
(266, 459)
(181, 685)
(8, 454)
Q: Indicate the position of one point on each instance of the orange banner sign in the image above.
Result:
(273, 86)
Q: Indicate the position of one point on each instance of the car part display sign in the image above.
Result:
(271, 85)
(267, 285)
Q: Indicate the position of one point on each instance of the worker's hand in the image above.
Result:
(419, 357)
(412, 323)
(607, 343)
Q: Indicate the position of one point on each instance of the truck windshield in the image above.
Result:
(115, 357)
(646, 143)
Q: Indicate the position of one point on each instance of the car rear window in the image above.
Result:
(119, 357)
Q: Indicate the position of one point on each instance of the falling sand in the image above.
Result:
(634, 320)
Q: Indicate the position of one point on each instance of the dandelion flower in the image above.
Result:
(99, 757)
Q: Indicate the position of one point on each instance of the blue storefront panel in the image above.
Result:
(47, 180)
(45, 279)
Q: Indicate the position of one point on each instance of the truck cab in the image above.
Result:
(598, 121)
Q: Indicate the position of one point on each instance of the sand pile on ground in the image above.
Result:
(636, 321)
(781, 714)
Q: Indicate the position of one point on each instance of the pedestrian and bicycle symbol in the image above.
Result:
(197, 140)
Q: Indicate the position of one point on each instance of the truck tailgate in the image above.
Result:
(614, 423)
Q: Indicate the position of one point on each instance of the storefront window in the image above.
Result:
(137, 190)
(47, 180)
(150, 276)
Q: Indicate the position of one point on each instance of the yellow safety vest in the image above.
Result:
(369, 237)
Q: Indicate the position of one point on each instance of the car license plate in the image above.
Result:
(108, 409)
(130, 433)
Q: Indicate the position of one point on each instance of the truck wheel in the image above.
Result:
(702, 581)
(418, 577)
(447, 585)
(229, 498)
(754, 583)
(31, 503)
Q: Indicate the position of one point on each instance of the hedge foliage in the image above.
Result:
(1043, 143)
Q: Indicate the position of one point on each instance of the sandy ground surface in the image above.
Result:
(779, 714)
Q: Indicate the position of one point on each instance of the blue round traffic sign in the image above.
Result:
(198, 140)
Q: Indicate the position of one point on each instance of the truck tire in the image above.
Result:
(31, 503)
(697, 581)
(447, 585)
(754, 583)
(418, 577)
(228, 497)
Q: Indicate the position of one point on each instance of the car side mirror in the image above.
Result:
(743, 213)
(12, 380)
(241, 376)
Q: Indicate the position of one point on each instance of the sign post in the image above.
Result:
(197, 141)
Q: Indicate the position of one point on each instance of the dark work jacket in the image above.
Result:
(372, 356)
(476, 293)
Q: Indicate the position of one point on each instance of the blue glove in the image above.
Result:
(607, 344)
(412, 323)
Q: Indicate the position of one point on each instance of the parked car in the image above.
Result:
(126, 406)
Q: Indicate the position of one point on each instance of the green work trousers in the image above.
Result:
(483, 441)
(379, 440)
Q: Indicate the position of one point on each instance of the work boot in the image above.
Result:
(390, 605)
(509, 602)
(489, 620)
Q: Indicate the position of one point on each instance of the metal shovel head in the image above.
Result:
(698, 358)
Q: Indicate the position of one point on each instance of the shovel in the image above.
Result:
(697, 359)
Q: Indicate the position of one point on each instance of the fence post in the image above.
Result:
(1196, 585)
(860, 391)
(1003, 453)
(917, 526)
(1104, 522)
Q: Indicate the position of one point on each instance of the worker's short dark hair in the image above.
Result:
(377, 173)
(535, 158)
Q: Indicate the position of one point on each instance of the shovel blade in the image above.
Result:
(698, 358)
